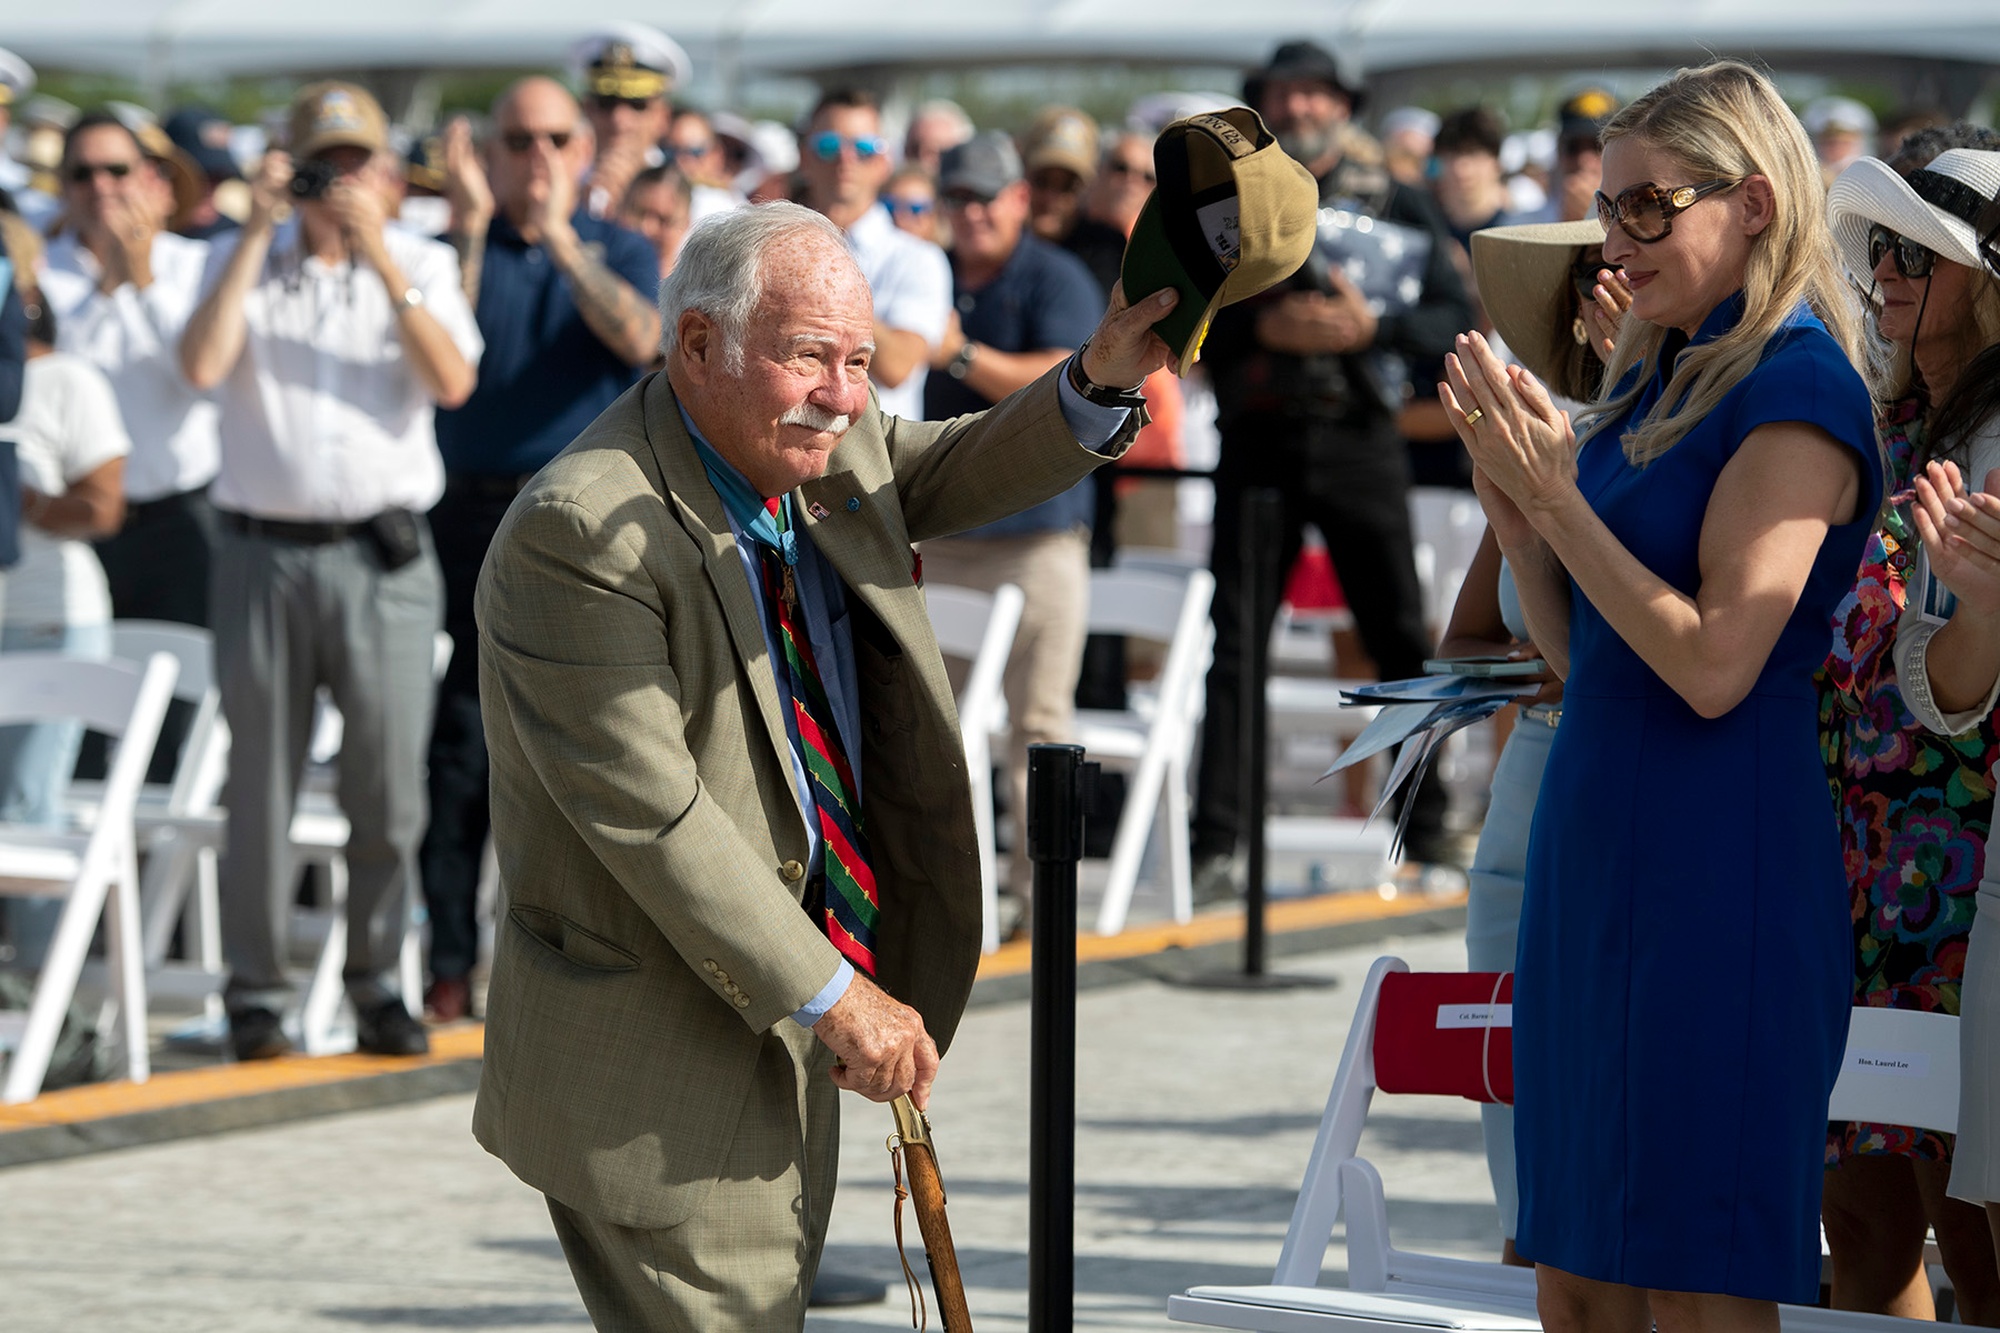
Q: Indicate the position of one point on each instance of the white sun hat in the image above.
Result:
(1939, 207)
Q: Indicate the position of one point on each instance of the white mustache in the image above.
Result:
(816, 418)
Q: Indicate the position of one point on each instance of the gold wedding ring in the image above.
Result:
(1472, 417)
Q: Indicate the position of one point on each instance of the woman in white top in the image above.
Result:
(71, 444)
(1947, 651)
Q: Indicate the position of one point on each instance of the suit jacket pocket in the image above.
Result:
(583, 947)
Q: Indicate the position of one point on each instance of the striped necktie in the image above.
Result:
(853, 908)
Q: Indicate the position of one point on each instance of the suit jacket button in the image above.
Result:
(709, 964)
(743, 1002)
(792, 871)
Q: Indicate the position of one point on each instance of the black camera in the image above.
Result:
(311, 177)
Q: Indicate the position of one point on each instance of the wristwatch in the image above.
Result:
(411, 299)
(961, 360)
(1103, 395)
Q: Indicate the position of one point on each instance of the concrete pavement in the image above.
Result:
(1197, 1110)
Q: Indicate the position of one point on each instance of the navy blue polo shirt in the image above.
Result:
(1042, 297)
(544, 375)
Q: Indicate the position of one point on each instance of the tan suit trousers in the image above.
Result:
(745, 1260)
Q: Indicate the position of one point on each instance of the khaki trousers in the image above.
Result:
(745, 1260)
(1052, 569)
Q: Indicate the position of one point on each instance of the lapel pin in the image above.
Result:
(816, 509)
(853, 503)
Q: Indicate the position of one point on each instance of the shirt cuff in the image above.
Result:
(815, 1009)
(1094, 425)
(1913, 675)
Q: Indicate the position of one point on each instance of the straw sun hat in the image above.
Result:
(1522, 273)
(1937, 207)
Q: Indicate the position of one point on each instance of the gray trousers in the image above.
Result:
(289, 617)
(744, 1262)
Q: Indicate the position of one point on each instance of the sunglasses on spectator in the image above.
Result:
(605, 102)
(827, 144)
(82, 173)
(1647, 211)
(1912, 260)
(676, 151)
(523, 141)
(1117, 168)
(964, 199)
(908, 208)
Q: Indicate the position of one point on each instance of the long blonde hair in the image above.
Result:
(1724, 119)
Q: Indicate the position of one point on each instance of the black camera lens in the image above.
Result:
(311, 178)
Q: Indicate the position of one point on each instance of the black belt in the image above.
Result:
(285, 530)
(489, 485)
(149, 511)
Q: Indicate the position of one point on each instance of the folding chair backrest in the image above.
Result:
(1900, 1068)
(198, 773)
(1142, 602)
(978, 627)
(118, 698)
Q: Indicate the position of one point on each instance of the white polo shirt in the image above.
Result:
(134, 337)
(910, 280)
(322, 418)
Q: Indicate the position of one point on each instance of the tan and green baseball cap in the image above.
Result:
(1230, 216)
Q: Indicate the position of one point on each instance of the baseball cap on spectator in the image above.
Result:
(1584, 115)
(1307, 60)
(1065, 137)
(1838, 114)
(335, 115)
(203, 134)
(629, 60)
(983, 166)
(1231, 216)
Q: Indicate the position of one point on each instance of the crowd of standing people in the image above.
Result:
(1723, 382)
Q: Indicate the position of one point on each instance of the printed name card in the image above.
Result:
(1475, 1016)
(1902, 1064)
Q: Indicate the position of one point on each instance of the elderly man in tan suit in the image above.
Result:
(729, 799)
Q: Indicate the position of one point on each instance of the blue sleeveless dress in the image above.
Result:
(1686, 962)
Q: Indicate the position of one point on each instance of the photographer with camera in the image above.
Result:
(329, 339)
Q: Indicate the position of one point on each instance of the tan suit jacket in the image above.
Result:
(649, 836)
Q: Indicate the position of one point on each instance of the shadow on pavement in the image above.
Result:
(466, 1316)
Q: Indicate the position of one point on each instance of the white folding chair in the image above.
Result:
(1155, 736)
(979, 628)
(1390, 1290)
(180, 824)
(96, 871)
(319, 834)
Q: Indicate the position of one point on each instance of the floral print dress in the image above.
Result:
(1915, 808)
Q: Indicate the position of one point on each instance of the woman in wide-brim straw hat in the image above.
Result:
(1946, 219)
(1557, 308)
(1916, 807)
(1685, 971)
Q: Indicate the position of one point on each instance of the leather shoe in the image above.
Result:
(448, 999)
(1214, 879)
(257, 1034)
(387, 1029)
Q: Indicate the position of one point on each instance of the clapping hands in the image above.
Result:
(1960, 530)
(1523, 450)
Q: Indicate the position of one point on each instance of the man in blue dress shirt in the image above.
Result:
(566, 304)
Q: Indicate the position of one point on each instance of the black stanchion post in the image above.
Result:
(1057, 777)
(1263, 512)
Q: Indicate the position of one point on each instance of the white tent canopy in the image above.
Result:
(162, 41)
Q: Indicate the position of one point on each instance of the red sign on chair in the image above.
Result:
(1446, 1033)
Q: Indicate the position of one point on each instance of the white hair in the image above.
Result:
(720, 271)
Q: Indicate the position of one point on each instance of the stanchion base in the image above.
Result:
(1240, 980)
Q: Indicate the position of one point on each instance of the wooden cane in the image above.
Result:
(913, 1137)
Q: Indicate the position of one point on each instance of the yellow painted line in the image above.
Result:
(188, 1087)
(1013, 959)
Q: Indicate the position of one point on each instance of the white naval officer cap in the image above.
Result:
(17, 78)
(626, 59)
